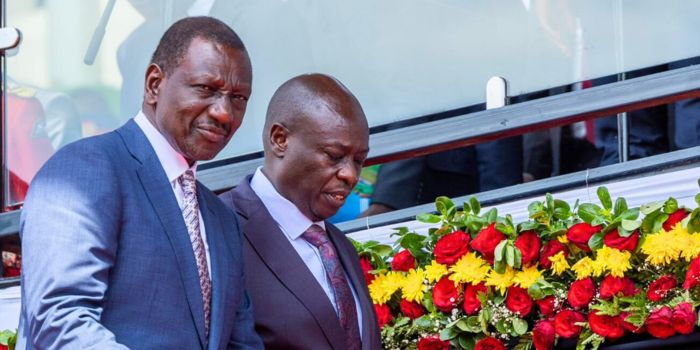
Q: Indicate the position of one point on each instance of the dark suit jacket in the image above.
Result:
(108, 260)
(291, 309)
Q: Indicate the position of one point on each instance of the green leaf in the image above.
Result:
(462, 325)
(491, 215)
(620, 206)
(518, 258)
(382, 250)
(694, 221)
(466, 342)
(473, 324)
(428, 302)
(499, 266)
(550, 202)
(588, 212)
(596, 241)
(670, 205)
(476, 206)
(562, 211)
(423, 322)
(428, 218)
(697, 198)
(443, 205)
(630, 225)
(466, 208)
(498, 252)
(648, 208)
(520, 326)
(448, 333)
(510, 255)
(604, 197)
(534, 208)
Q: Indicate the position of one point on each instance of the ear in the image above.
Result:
(279, 138)
(154, 79)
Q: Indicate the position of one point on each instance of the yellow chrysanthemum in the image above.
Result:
(384, 286)
(501, 281)
(585, 268)
(663, 248)
(527, 277)
(469, 269)
(413, 287)
(559, 263)
(615, 261)
(435, 271)
(563, 239)
(689, 243)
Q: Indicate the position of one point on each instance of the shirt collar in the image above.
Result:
(173, 162)
(290, 219)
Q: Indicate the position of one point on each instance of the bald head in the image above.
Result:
(311, 98)
(316, 140)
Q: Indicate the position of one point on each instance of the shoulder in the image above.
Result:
(85, 155)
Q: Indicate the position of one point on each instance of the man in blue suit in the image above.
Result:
(122, 247)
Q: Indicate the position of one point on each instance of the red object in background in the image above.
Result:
(27, 146)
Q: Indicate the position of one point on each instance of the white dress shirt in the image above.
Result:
(293, 223)
(174, 165)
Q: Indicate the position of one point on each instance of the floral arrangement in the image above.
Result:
(583, 274)
(8, 339)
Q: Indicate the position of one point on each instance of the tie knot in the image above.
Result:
(315, 235)
(187, 181)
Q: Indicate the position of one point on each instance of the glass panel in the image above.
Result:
(402, 59)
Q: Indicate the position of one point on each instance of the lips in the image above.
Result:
(212, 133)
(337, 198)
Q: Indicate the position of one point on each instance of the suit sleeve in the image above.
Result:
(244, 335)
(69, 229)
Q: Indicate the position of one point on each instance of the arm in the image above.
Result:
(69, 230)
(243, 335)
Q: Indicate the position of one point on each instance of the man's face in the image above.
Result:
(200, 104)
(322, 163)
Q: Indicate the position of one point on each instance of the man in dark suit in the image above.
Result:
(122, 247)
(303, 275)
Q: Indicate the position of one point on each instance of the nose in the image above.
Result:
(222, 110)
(349, 172)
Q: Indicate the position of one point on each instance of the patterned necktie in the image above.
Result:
(344, 300)
(190, 212)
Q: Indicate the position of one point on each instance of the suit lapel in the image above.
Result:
(357, 280)
(160, 194)
(219, 261)
(278, 254)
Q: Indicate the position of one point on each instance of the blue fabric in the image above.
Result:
(107, 259)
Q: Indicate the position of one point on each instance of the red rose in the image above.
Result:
(486, 241)
(581, 293)
(565, 323)
(366, 266)
(551, 249)
(609, 327)
(658, 289)
(411, 309)
(660, 323)
(433, 342)
(613, 240)
(580, 233)
(449, 248)
(383, 314)
(546, 306)
(684, 318)
(518, 301)
(403, 261)
(529, 245)
(472, 305)
(611, 286)
(543, 335)
(676, 217)
(628, 326)
(489, 343)
(445, 294)
(692, 277)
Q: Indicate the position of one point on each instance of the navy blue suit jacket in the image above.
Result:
(108, 262)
